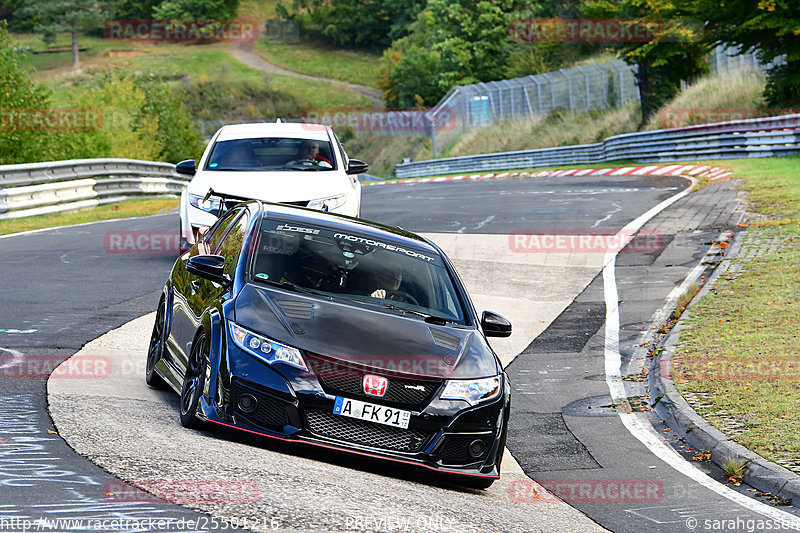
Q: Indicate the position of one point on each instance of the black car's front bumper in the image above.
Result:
(443, 435)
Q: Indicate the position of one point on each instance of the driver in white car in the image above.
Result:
(309, 151)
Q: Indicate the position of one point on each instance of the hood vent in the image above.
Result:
(445, 340)
(294, 309)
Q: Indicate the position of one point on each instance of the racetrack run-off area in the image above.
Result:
(506, 238)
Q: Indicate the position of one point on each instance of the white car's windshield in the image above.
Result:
(271, 154)
(371, 270)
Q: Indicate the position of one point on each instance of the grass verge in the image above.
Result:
(127, 208)
(317, 60)
(739, 351)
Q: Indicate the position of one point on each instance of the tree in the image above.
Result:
(70, 16)
(21, 100)
(366, 24)
(767, 27)
(452, 42)
(675, 53)
(196, 10)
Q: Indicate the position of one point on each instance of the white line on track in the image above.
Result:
(636, 423)
(16, 357)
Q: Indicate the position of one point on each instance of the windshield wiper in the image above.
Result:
(430, 319)
(288, 285)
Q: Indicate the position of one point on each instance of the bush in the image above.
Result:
(19, 143)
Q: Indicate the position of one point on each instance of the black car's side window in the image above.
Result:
(214, 236)
(231, 246)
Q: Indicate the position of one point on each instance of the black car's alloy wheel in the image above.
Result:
(156, 349)
(193, 382)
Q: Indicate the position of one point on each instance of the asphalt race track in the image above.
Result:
(62, 288)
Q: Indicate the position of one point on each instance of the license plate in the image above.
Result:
(379, 414)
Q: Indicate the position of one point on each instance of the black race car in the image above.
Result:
(337, 332)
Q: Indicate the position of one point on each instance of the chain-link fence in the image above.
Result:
(724, 60)
(577, 89)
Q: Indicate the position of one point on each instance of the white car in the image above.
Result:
(292, 163)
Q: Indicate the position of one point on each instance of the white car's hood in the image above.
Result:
(290, 186)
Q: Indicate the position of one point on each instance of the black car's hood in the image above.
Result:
(374, 337)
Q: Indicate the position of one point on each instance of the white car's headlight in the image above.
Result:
(472, 391)
(211, 205)
(267, 349)
(326, 204)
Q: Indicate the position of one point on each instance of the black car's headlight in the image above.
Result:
(266, 349)
(472, 391)
(211, 205)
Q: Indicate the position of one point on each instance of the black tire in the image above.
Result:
(155, 351)
(193, 381)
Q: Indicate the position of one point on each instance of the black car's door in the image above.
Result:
(194, 294)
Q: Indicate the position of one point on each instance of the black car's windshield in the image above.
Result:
(375, 271)
(271, 154)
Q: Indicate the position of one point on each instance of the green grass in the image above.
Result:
(315, 95)
(714, 98)
(318, 60)
(182, 62)
(124, 209)
(96, 48)
(740, 344)
(556, 129)
(257, 9)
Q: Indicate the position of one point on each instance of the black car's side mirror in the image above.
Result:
(188, 167)
(495, 325)
(357, 167)
(210, 267)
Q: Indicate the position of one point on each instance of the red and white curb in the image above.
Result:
(697, 171)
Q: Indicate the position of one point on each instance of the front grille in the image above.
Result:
(325, 424)
(270, 412)
(341, 379)
(455, 450)
(297, 204)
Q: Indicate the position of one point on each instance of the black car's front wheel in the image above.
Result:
(193, 382)
(156, 348)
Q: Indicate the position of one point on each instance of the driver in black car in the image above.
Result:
(387, 279)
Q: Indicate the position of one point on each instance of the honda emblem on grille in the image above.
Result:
(375, 385)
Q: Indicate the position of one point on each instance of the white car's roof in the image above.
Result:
(293, 130)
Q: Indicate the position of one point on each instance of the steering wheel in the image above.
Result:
(306, 162)
(401, 296)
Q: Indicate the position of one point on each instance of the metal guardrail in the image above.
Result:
(761, 137)
(39, 188)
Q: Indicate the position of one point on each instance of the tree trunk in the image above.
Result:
(74, 49)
